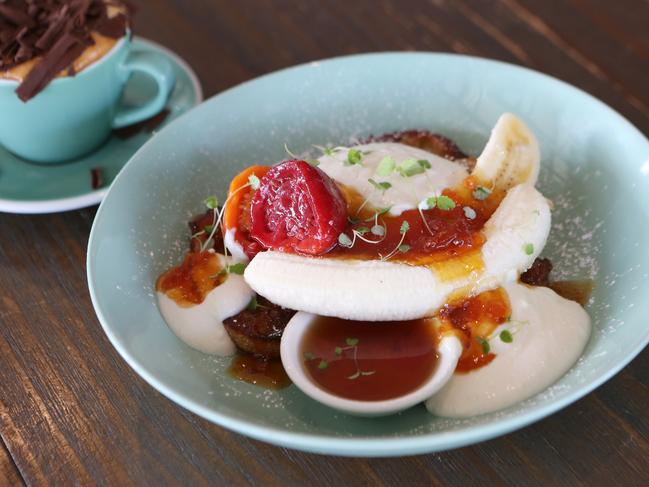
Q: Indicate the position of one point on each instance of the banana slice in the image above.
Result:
(380, 291)
(511, 156)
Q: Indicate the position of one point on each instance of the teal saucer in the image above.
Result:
(26, 187)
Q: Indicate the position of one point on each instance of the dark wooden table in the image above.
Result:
(73, 412)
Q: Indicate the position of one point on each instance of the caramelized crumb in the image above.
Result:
(538, 274)
(259, 330)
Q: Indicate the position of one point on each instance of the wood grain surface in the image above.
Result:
(73, 413)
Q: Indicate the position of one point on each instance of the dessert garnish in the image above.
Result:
(53, 34)
(384, 272)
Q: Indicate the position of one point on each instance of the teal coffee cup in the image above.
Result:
(72, 116)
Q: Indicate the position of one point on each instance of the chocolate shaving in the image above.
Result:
(57, 31)
(16, 15)
(63, 53)
(96, 177)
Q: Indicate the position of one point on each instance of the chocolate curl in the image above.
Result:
(46, 40)
(62, 54)
(15, 15)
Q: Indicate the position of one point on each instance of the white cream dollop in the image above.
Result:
(549, 335)
(201, 326)
(405, 193)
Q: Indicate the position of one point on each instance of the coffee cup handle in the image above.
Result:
(158, 68)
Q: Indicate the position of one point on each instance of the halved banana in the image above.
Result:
(375, 290)
(511, 156)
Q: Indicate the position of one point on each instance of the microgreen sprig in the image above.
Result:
(401, 247)
(469, 213)
(253, 304)
(328, 150)
(382, 186)
(486, 348)
(506, 336)
(212, 203)
(352, 344)
(481, 193)
(410, 167)
(357, 233)
(386, 167)
(443, 202)
(354, 157)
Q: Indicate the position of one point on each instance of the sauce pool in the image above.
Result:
(369, 361)
(473, 320)
(260, 371)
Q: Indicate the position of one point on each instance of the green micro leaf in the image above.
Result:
(405, 226)
(469, 212)
(352, 342)
(528, 248)
(309, 356)
(344, 240)
(445, 203)
(404, 248)
(327, 151)
(431, 202)
(410, 167)
(506, 336)
(481, 193)
(253, 181)
(382, 186)
(211, 202)
(378, 230)
(222, 272)
(424, 163)
(385, 167)
(208, 228)
(361, 230)
(382, 211)
(338, 351)
(323, 364)
(252, 305)
(354, 156)
(485, 345)
(237, 268)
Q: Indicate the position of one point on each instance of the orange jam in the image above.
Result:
(472, 321)
(434, 235)
(189, 283)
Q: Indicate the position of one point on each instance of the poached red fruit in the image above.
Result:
(297, 207)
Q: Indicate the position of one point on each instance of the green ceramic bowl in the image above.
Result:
(595, 168)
